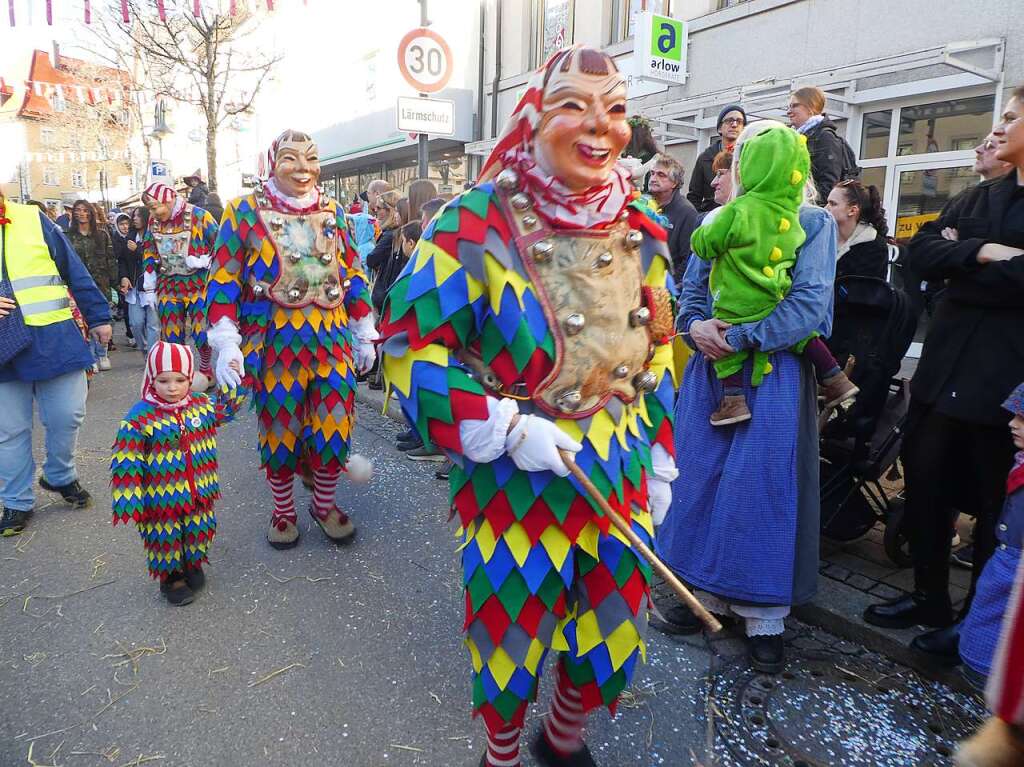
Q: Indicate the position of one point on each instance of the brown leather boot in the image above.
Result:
(733, 409)
(838, 389)
(335, 524)
(996, 744)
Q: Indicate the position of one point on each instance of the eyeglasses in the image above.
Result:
(733, 121)
(793, 107)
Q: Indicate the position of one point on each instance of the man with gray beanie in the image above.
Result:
(731, 121)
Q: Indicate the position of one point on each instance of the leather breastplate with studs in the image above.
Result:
(307, 254)
(590, 284)
(172, 245)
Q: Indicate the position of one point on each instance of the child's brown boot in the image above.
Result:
(838, 389)
(733, 409)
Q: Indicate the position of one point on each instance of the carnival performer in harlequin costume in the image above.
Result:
(287, 294)
(164, 469)
(176, 253)
(534, 316)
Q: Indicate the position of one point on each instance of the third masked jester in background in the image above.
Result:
(535, 315)
(288, 297)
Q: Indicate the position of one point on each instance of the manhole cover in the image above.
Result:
(837, 711)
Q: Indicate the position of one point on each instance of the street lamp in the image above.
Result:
(160, 126)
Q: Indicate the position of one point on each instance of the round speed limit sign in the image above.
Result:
(425, 60)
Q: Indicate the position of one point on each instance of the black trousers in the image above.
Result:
(948, 463)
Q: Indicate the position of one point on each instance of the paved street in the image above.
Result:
(350, 656)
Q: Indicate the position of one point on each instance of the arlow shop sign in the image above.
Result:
(435, 117)
(659, 47)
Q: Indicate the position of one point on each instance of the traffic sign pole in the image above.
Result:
(421, 149)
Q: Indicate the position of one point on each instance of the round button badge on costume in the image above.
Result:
(425, 60)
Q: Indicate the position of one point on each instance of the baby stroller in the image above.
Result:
(875, 324)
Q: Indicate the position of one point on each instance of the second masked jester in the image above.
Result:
(287, 294)
(535, 315)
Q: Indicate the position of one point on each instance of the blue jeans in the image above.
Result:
(145, 326)
(61, 410)
(99, 351)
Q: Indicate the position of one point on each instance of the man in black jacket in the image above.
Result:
(972, 358)
(731, 121)
(666, 180)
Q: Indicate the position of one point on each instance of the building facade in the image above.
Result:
(914, 85)
(70, 125)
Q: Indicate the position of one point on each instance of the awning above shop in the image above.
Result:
(375, 138)
(928, 70)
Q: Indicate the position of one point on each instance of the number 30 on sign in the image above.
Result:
(425, 60)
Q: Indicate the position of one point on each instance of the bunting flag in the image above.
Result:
(88, 12)
(49, 12)
(124, 11)
(196, 10)
(270, 5)
(233, 8)
(10, 11)
(161, 11)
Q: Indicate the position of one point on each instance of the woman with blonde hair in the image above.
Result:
(828, 150)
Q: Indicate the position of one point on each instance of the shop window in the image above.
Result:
(929, 128)
(78, 179)
(874, 136)
(552, 27)
(51, 177)
(624, 15)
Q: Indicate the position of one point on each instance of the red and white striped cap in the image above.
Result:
(160, 192)
(166, 357)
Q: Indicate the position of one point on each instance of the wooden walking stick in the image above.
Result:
(623, 527)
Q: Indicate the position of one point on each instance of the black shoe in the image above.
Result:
(963, 557)
(917, 609)
(195, 578)
(767, 653)
(175, 589)
(376, 385)
(406, 445)
(546, 756)
(941, 645)
(13, 521)
(444, 471)
(408, 435)
(76, 496)
(677, 619)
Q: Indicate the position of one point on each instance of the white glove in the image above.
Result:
(226, 376)
(197, 262)
(533, 445)
(659, 483)
(224, 339)
(483, 440)
(363, 349)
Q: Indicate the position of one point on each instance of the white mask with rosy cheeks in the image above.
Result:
(297, 169)
(583, 128)
(161, 211)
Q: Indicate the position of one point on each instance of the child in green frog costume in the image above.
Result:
(752, 242)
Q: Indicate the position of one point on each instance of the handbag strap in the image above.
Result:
(3, 251)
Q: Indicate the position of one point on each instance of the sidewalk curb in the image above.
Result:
(892, 644)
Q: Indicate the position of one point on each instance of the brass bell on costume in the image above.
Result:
(574, 323)
(294, 294)
(622, 371)
(645, 381)
(605, 259)
(634, 237)
(520, 201)
(326, 258)
(259, 291)
(529, 221)
(542, 250)
(569, 401)
(508, 180)
(639, 317)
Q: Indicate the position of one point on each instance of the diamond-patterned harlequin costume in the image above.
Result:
(298, 361)
(180, 296)
(164, 477)
(542, 567)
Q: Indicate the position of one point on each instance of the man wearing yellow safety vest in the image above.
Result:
(48, 367)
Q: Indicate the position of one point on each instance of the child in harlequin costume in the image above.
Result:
(753, 241)
(175, 256)
(535, 315)
(288, 296)
(164, 469)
